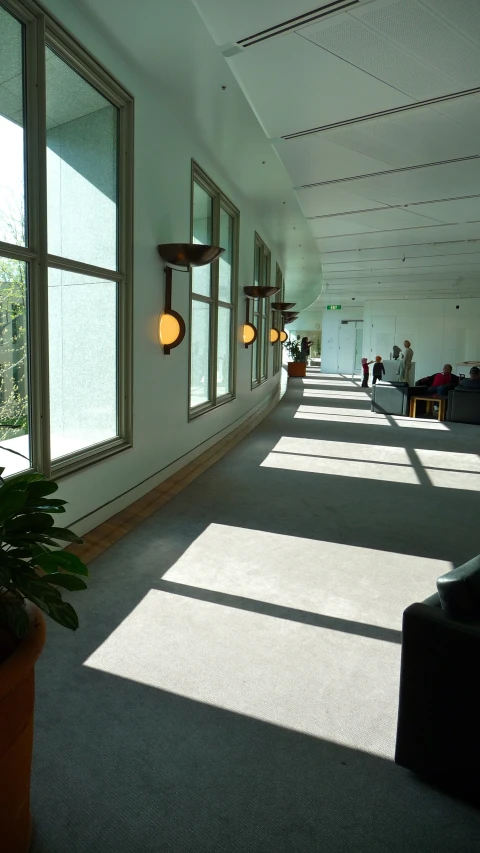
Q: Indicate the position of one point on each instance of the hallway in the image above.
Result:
(233, 685)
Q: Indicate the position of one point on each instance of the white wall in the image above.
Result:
(438, 331)
(338, 341)
(166, 139)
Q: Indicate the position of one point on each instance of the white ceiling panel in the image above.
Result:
(231, 21)
(411, 227)
(387, 219)
(448, 181)
(348, 38)
(463, 15)
(412, 250)
(402, 237)
(462, 210)
(418, 136)
(332, 198)
(305, 97)
(467, 263)
(414, 28)
(313, 158)
(463, 111)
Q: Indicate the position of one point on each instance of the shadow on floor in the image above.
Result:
(141, 770)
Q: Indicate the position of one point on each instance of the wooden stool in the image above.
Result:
(442, 405)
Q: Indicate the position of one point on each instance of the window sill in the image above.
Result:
(85, 458)
(210, 407)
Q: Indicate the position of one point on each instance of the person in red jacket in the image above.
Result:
(440, 383)
(365, 372)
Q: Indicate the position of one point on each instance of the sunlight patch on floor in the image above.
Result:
(272, 668)
(342, 468)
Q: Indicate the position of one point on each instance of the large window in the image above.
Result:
(277, 320)
(212, 337)
(261, 314)
(65, 256)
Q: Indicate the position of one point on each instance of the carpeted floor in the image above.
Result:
(233, 686)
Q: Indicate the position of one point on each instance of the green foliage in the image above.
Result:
(13, 347)
(295, 351)
(29, 568)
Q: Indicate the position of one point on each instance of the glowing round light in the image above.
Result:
(283, 336)
(274, 336)
(249, 334)
(168, 329)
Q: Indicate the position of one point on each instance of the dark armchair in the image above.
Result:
(438, 729)
(464, 406)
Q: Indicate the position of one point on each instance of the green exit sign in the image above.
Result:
(333, 307)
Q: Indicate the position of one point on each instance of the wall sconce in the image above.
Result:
(171, 326)
(274, 335)
(249, 331)
(283, 306)
(260, 291)
(283, 336)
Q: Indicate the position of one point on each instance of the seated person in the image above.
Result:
(440, 383)
(472, 384)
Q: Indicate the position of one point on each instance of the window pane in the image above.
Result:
(200, 354)
(225, 263)
(202, 233)
(81, 168)
(255, 360)
(82, 316)
(13, 367)
(257, 266)
(265, 337)
(12, 206)
(223, 351)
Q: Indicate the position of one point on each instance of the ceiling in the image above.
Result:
(373, 107)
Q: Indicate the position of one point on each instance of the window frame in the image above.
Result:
(277, 320)
(261, 314)
(219, 202)
(41, 31)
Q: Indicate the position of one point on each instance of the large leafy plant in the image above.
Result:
(295, 351)
(29, 567)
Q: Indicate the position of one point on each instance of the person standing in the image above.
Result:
(365, 371)
(405, 363)
(305, 347)
(378, 369)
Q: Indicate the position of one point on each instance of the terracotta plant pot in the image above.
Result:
(297, 368)
(16, 736)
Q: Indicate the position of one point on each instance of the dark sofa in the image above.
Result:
(464, 406)
(438, 729)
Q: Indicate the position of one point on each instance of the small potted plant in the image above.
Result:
(31, 576)
(297, 365)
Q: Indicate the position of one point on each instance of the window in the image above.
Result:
(215, 221)
(277, 320)
(261, 314)
(65, 250)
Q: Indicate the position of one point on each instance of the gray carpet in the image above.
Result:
(233, 686)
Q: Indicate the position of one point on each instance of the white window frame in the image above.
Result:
(277, 320)
(261, 316)
(42, 31)
(220, 201)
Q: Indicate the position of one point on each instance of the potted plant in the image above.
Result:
(31, 576)
(297, 366)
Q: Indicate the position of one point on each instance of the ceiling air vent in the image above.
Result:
(299, 21)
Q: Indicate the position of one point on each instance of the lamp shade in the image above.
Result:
(189, 254)
(171, 330)
(283, 306)
(283, 336)
(249, 334)
(274, 336)
(260, 291)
